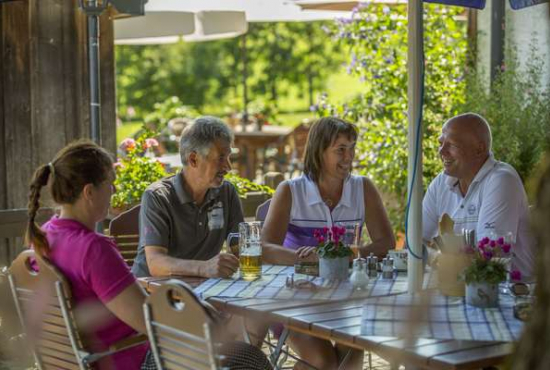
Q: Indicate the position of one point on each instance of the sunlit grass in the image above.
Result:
(293, 106)
(126, 130)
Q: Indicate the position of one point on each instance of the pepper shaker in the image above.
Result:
(387, 268)
(372, 266)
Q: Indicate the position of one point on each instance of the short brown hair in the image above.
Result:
(321, 135)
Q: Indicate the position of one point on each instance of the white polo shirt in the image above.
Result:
(496, 201)
(309, 212)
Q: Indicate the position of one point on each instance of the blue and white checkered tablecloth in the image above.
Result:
(440, 317)
(273, 285)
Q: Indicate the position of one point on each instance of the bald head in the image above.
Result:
(464, 146)
(472, 127)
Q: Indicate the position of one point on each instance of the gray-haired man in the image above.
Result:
(185, 218)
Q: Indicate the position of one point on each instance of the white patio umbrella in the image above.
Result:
(168, 21)
(164, 27)
(339, 5)
(256, 10)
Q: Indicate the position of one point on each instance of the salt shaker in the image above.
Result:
(359, 278)
(387, 268)
(372, 266)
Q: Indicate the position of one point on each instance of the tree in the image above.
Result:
(290, 54)
(196, 73)
(517, 107)
(376, 41)
(208, 75)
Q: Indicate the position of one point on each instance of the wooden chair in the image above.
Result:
(124, 228)
(298, 140)
(43, 301)
(180, 328)
(13, 223)
(261, 211)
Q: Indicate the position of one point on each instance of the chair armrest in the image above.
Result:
(128, 342)
(116, 347)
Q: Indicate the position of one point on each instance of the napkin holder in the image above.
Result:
(451, 264)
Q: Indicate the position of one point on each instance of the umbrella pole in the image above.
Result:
(415, 101)
(93, 10)
(245, 77)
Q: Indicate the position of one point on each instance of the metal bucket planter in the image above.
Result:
(334, 268)
(482, 295)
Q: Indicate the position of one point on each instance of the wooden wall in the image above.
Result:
(44, 96)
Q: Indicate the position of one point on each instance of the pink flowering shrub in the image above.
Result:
(135, 170)
(331, 242)
(489, 262)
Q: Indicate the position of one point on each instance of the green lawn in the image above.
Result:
(127, 130)
(340, 87)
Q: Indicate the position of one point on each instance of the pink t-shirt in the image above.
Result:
(97, 273)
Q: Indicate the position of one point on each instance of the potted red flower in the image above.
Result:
(333, 253)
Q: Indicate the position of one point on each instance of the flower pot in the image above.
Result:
(483, 295)
(334, 268)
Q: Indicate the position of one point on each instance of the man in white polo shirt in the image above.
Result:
(477, 191)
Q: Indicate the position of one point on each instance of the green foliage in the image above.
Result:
(488, 262)
(285, 55)
(517, 107)
(263, 111)
(136, 170)
(376, 38)
(334, 250)
(194, 72)
(490, 271)
(281, 57)
(245, 186)
(164, 111)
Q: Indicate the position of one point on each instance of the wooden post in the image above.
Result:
(44, 89)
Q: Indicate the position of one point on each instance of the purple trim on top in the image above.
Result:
(297, 237)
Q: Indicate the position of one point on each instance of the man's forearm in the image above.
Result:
(168, 266)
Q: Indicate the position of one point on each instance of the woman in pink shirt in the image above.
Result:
(80, 179)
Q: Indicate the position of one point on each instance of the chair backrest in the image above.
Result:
(180, 328)
(261, 211)
(43, 303)
(299, 138)
(13, 222)
(124, 228)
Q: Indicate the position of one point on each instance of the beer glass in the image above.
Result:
(250, 249)
(352, 236)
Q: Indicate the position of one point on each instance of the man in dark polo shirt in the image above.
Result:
(184, 219)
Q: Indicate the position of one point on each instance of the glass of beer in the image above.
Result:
(250, 249)
(352, 236)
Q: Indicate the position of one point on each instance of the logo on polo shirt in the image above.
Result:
(472, 209)
(215, 216)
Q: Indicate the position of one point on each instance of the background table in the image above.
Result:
(250, 142)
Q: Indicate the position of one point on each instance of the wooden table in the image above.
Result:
(251, 141)
(341, 322)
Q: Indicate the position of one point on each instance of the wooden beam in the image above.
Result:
(17, 101)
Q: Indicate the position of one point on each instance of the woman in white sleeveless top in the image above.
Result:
(326, 194)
